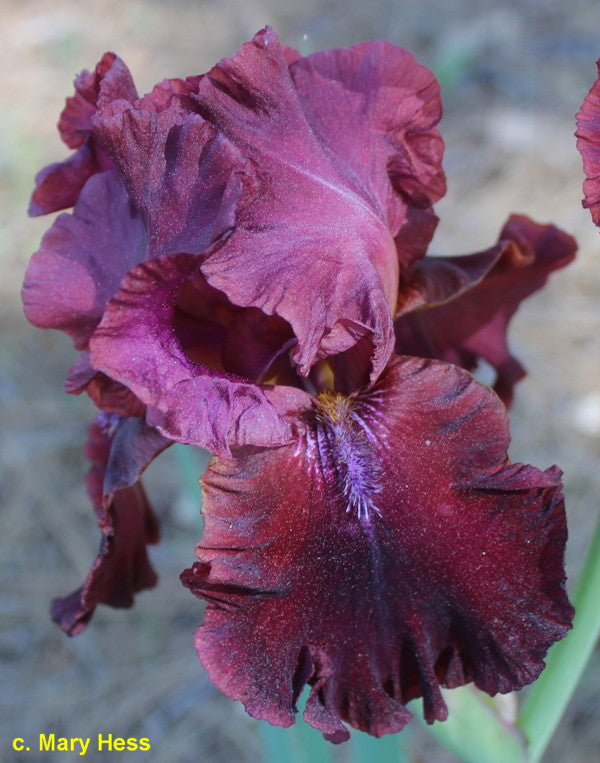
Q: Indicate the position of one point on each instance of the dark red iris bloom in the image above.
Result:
(244, 270)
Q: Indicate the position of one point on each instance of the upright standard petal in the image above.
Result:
(342, 143)
(588, 143)
(391, 549)
(464, 305)
(82, 259)
(119, 449)
(58, 186)
(181, 173)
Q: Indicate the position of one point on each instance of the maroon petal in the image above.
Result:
(58, 186)
(473, 325)
(181, 173)
(435, 280)
(375, 109)
(108, 395)
(390, 550)
(333, 137)
(136, 345)
(588, 143)
(119, 449)
(82, 259)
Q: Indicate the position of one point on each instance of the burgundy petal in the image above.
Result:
(181, 173)
(435, 280)
(82, 259)
(108, 395)
(136, 345)
(119, 449)
(391, 549)
(474, 324)
(588, 143)
(322, 211)
(58, 185)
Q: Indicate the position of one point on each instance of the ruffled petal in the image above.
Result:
(119, 449)
(334, 138)
(108, 395)
(588, 143)
(181, 173)
(392, 549)
(473, 324)
(136, 345)
(82, 259)
(58, 186)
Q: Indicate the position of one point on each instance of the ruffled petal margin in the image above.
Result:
(119, 449)
(392, 549)
(343, 143)
(58, 185)
(588, 143)
(136, 345)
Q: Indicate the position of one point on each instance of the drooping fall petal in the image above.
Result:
(392, 549)
(119, 449)
(464, 317)
(136, 345)
(342, 143)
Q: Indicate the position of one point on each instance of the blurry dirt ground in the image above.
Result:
(513, 75)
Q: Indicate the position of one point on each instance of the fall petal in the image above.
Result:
(136, 345)
(125, 517)
(473, 325)
(391, 550)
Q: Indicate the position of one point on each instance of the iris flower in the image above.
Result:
(244, 270)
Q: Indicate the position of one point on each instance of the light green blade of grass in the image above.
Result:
(550, 694)
(474, 731)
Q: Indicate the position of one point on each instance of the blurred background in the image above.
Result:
(513, 76)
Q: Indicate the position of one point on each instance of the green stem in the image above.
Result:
(546, 702)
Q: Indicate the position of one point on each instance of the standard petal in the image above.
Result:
(181, 173)
(82, 259)
(58, 186)
(390, 550)
(333, 137)
(136, 345)
(588, 143)
(119, 449)
(473, 325)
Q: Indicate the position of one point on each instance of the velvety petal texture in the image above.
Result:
(467, 303)
(136, 345)
(182, 174)
(343, 142)
(391, 549)
(588, 143)
(119, 449)
(58, 185)
(82, 259)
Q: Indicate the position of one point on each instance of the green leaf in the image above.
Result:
(474, 731)
(550, 694)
